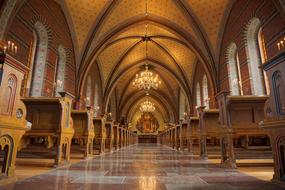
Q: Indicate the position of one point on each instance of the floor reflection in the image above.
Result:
(142, 167)
(147, 183)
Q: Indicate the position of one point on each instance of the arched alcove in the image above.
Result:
(60, 75)
(41, 48)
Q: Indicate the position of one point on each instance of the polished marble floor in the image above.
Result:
(143, 167)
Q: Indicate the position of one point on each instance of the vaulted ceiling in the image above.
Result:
(182, 34)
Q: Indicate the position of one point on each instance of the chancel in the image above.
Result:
(142, 94)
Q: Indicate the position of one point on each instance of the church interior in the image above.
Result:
(142, 94)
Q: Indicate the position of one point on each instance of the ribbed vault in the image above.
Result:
(111, 34)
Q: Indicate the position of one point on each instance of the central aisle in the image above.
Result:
(142, 167)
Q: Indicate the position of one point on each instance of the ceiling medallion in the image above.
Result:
(147, 107)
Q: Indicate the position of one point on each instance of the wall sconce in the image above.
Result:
(58, 83)
(186, 116)
(87, 101)
(96, 108)
(2, 60)
(10, 47)
(281, 44)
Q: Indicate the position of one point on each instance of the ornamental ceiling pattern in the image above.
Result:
(83, 15)
(174, 27)
(210, 14)
(184, 56)
(111, 55)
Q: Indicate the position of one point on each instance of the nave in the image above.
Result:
(96, 82)
(144, 167)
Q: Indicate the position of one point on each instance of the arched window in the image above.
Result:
(40, 60)
(182, 104)
(256, 54)
(263, 57)
(198, 95)
(96, 99)
(205, 92)
(96, 96)
(88, 91)
(60, 75)
(233, 70)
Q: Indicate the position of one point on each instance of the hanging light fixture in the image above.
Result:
(146, 79)
(147, 107)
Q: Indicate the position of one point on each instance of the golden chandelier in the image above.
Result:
(147, 107)
(146, 80)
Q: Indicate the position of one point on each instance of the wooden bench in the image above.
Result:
(208, 128)
(116, 136)
(84, 129)
(274, 113)
(51, 124)
(13, 124)
(193, 133)
(120, 136)
(178, 136)
(238, 116)
(173, 136)
(124, 136)
(184, 136)
(100, 134)
(109, 135)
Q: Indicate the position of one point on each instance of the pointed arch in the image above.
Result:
(205, 92)
(41, 49)
(253, 53)
(96, 96)
(198, 95)
(60, 75)
(88, 91)
(234, 79)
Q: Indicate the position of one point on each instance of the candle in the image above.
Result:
(5, 49)
(278, 44)
(16, 49)
(12, 47)
(9, 43)
(282, 43)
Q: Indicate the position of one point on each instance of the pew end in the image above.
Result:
(13, 124)
(100, 134)
(52, 124)
(84, 130)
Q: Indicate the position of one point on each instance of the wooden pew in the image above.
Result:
(116, 136)
(120, 136)
(100, 134)
(51, 124)
(109, 135)
(173, 137)
(177, 136)
(13, 124)
(184, 136)
(84, 129)
(238, 116)
(274, 113)
(208, 128)
(193, 133)
(124, 136)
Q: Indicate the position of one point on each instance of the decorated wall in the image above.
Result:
(21, 31)
(273, 28)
